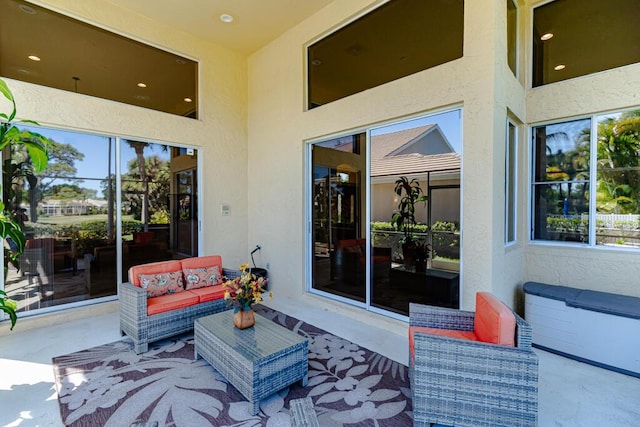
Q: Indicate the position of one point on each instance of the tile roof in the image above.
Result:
(385, 163)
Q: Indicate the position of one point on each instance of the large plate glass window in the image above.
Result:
(586, 182)
(360, 252)
(573, 38)
(339, 243)
(512, 35)
(399, 38)
(510, 181)
(43, 47)
(69, 214)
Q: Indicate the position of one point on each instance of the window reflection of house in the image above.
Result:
(413, 152)
(53, 207)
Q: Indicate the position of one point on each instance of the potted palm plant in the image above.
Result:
(10, 226)
(421, 252)
(404, 218)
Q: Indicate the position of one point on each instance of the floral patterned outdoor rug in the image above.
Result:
(110, 385)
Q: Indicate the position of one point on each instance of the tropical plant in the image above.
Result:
(404, 218)
(10, 224)
(618, 158)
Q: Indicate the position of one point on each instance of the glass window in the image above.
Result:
(386, 214)
(512, 28)
(618, 180)
(49, 49)
(574, 38)
(339, 245)
(510, 183)
(561, 181)
(395, 40)
(68, 214)
(563, 176)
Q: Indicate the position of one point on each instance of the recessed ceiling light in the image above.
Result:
(559, 67)
(142, 84)
(546, 36)
(188, 100)
(27, 9)
(34, 58)
(316, 62)
(225, 17)
(180, 61)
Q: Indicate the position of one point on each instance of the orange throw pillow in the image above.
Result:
(494, 322)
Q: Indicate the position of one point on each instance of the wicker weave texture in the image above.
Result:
(467, 383)
(257, 361)
(302, 413)
(144, 329)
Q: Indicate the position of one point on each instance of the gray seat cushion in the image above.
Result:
(603, 302)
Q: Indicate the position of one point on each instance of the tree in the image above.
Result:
(150, 189)
(69, 192)
(139, 147)
(619, 163)
(61, 165)
(62, 159)
(10, 226)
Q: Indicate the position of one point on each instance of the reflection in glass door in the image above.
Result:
(339, 250)
(375, 264)
(186, 239)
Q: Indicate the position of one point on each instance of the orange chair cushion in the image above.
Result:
(170, 302)
(152, 268)
(210, 293)
(494, 322)
(463, 335)
(202, 262)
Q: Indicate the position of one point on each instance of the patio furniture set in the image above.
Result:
(465, 368)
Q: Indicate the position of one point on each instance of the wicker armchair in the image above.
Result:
(459, 382)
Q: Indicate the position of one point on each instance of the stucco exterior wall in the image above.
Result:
(220, 131)
(279, 128)
(597, 268)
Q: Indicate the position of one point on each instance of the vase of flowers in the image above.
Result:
(242, 292)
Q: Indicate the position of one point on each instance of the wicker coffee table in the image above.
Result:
(257, 361)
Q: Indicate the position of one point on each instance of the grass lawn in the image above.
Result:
(75, 219)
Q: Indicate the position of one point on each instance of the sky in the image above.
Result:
(450, 123)
(96, 154)
(94, 167)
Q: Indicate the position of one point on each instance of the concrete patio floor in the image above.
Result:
(570, 393)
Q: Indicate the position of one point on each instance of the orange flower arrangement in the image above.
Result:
(245, 290)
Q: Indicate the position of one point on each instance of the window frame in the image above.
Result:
(117, 139)
(592, 182)
(516, 39)
(511, 203)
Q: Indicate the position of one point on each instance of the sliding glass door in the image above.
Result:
(385, 214)
(81, 226)
(339, 251)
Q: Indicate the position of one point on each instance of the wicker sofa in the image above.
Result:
(146, 319)
(458, 380)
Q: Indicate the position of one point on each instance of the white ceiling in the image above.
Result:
(256, 22)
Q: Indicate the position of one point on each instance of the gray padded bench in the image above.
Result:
(599, 328)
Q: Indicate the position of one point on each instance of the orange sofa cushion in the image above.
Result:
(494, 322)
(202, 262)
(152, 268)
(170, 302)
(463, 335)
(209, 293)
